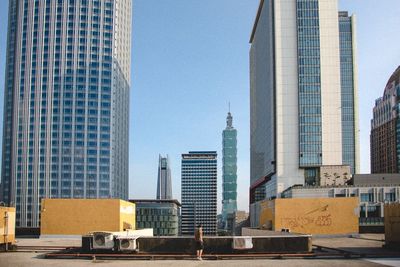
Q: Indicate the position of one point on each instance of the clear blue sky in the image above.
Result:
(190, 58)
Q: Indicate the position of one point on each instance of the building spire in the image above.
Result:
(229, 117)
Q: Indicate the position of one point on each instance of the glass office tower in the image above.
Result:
(298, 117)
(66, 102)
(164, 186)
(199, 192)
(348, 82)
(229, 169)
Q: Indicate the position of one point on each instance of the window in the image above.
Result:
(366, 197)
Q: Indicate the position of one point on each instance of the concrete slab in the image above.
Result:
(62, 242)
(365, 244)
(18, 259)
(386, 262)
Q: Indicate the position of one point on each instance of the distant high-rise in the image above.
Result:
(296, 96)
(385, 129)
(66, 102)
(349, 89)
(229, 169)
(164, 186)
(199, 192)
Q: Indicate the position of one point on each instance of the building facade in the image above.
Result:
(66, 102)
(296, 122)
(164, 184)
(385, 129)
(161, 214)
(199, 192)
(349, 91)
(229, 170)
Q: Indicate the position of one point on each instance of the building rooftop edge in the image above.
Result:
(394, 77)
(253, 32)
(338, 186)
(156, 201)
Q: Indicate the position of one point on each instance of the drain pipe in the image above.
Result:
(6, 229)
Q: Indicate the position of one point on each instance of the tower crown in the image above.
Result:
(229, 121)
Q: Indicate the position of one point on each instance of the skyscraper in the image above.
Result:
(385, 128)
(296, 95)
(66, 102)
(229, 168)
(199, 192)
(164, 186)
(349, 89)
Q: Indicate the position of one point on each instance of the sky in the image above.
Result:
(190, 59)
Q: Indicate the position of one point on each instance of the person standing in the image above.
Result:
(198, 237)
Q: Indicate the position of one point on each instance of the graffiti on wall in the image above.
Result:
(319, 217)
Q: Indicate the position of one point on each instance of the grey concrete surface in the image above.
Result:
(369, 244)
(361, 244)
(20, 259)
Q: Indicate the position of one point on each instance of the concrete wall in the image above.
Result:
(392, 224)
(7, 225)
(312, 216)
(223, 245)
(80, 216)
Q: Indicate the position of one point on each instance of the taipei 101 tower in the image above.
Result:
(229, 168)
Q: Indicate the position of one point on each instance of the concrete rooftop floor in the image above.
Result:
(362, 244)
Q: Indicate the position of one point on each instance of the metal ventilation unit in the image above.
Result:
(103, 240)
(126, 243)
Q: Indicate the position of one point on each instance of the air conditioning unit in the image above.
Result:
(103, 240)
(126, 243)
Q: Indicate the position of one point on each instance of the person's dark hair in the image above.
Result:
(199, 225)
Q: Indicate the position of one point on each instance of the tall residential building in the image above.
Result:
(296, 95)
(164, 186)
(385, 129)
(349, 86)
(199, 192)
(66, 102)
(229, 169)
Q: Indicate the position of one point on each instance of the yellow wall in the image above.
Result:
(313, 215)
(10, 238)
(267, 214)
(80, 216)
(127, 215)
(392, 222)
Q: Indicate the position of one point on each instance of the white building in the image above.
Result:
(296, 95)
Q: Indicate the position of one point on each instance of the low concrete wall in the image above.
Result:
(246, 231)
(223, 245)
